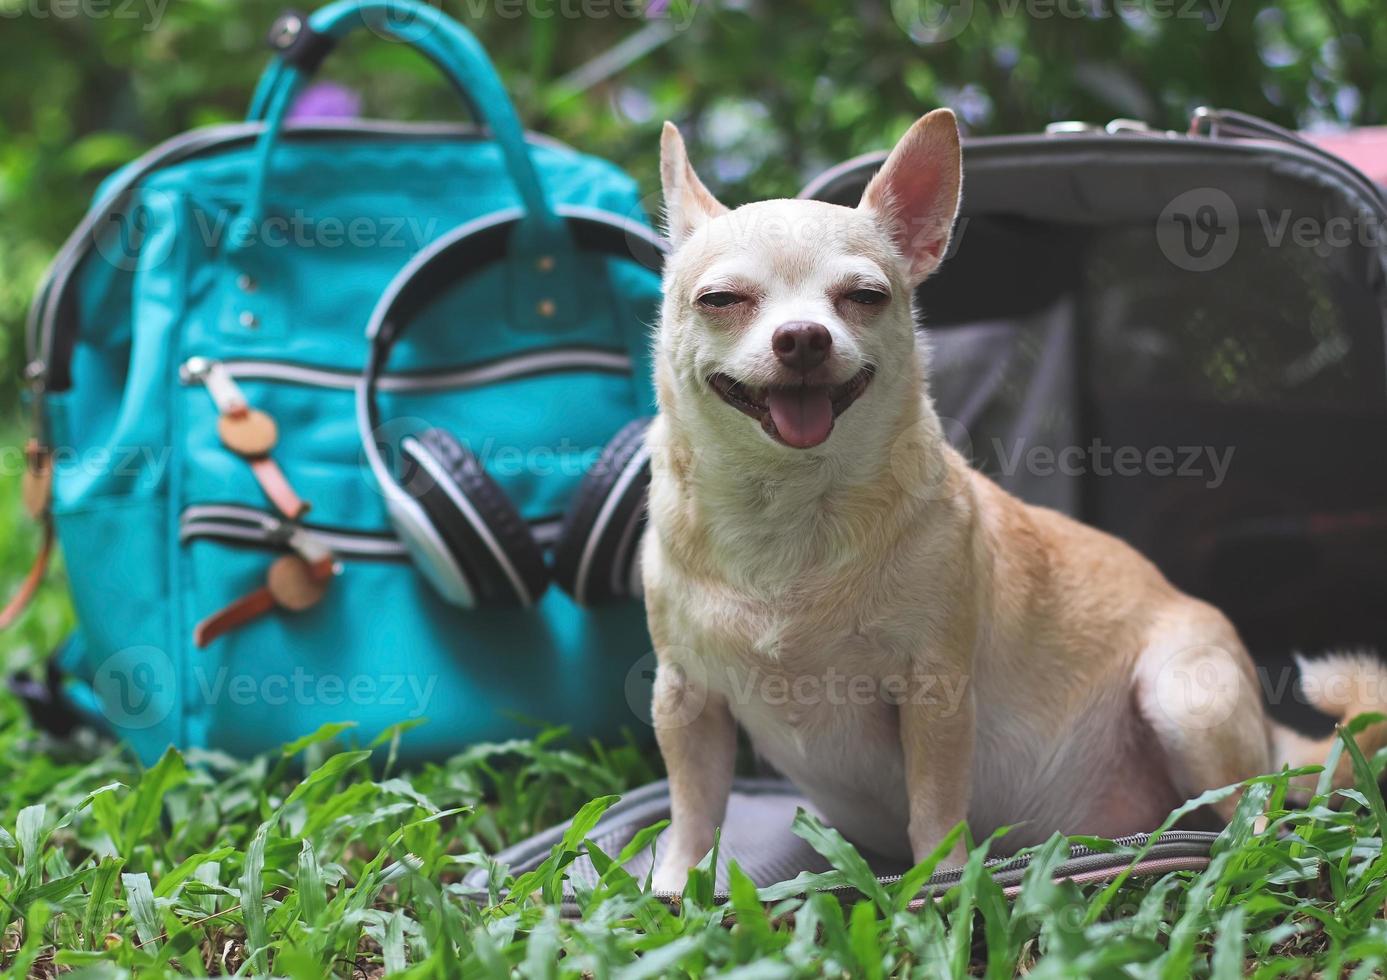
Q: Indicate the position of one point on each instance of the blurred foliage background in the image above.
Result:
(769, 92)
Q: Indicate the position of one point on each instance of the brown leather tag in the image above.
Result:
(36, 488)
(251, 433)
(233, 616)
(294, 583)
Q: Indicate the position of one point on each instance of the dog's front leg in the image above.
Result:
(698, 739)
(937, 735)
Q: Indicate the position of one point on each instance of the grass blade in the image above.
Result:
(29, 829)
(148, 800)
(139, 897)
(842, 856)
(393, 946)
(865, 940)
(252, 900)
(99, 900)
(913, 880)
(312, 891)
(1365, 779)
(328, 773)
(1228, 957)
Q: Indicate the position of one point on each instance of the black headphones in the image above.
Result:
(462, 531)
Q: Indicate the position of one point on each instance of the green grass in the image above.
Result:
(205, 864)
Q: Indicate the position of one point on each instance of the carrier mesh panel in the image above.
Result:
(1229, 423)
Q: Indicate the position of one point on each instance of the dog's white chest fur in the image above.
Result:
(811, 700)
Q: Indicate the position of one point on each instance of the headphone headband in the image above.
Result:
(476, 244)
(462, 532)
(458, 254)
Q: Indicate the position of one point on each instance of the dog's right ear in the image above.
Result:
(915, 194)
(688, 204)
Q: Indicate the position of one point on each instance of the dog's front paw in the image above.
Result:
(957, 858)
(670, 877)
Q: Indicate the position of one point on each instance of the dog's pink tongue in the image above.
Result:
(803, 416)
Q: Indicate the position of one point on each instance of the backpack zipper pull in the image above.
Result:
(246, 431)
(303, 542)
(213, 375)
(292, 583)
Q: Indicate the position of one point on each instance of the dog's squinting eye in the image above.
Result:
(867, 297)
(719, 300)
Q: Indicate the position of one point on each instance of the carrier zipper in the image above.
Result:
(952, 876)
(248, 525)
(221, 375)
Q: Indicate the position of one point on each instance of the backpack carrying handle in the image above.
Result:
(303, 45)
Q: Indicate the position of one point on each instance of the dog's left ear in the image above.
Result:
(915, 193)
(688, 204)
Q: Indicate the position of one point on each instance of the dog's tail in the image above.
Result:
(1343, 686)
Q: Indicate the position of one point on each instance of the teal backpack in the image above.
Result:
(270, 522)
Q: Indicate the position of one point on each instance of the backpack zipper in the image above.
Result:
(213, 372)
(236, 524)
(248, 525)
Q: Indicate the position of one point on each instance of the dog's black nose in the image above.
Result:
(801, 345)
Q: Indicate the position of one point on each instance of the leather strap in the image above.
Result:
(276, 486)
(263, 600)
(37, 486)
(233, 616)
(30, 586)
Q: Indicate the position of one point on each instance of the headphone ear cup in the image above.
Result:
(595, 557)
(482, 529)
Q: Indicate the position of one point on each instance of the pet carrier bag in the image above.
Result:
(1178, 338)
(756, 835)
(236, 565)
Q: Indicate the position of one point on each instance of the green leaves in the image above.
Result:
(139, 898)
(312, 889)
(326, 775)
(548, 877)
(252, 902)
(141, 814)
(843, 856)
(29, 830)
(268, 869)
(1365, 775)
(911, 882)
(100, 899)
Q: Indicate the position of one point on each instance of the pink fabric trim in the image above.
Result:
(1365, 148)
